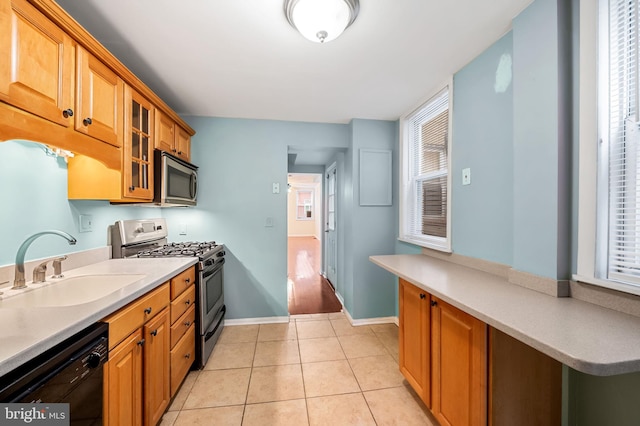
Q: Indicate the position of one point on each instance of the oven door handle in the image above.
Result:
(217, 323)
(216, 268)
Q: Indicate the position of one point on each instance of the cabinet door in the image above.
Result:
(157, 334)
(183, 144)
(36, 62)
(414, 338)
(165, 133)
(459, 374)
(99, 100)
(123, 383)
(138, 146)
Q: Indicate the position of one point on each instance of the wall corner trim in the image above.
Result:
(252, 321)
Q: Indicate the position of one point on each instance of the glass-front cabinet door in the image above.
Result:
(138, 149)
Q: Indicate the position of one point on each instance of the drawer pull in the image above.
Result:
(147, 310)
(187, 356)
(434, 303)
(141, 342)
(187, 280)
(422, 296)
(154, 332)
(67, 113)
(87, 121)
(187, 324)
(188, 302)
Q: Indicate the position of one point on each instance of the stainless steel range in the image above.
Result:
(148, 238)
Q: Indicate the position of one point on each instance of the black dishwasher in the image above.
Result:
(70, 372)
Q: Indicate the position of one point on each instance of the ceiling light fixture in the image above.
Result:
(321, 20)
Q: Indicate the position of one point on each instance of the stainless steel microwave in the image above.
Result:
(176, 181)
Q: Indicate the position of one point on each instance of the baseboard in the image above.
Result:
(369, 321)
(252, 321)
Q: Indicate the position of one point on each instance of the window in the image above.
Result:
(331, 200)
(621, 137)
(304, 204)
(425, 174)
(609, 169)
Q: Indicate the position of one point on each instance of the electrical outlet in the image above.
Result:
(466, 176)
(85, 222)
(276, 188)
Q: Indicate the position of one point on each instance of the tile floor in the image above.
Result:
(314, 370)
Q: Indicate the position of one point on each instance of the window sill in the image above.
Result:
(443, 247)
(612, 285)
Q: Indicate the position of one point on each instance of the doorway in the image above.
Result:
(309, 292)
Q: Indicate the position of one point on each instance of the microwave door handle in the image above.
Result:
(194, 185)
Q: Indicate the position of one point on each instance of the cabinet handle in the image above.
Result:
(187, 356)
(187, 324)
(132, 188)
(422, 296)
(87, 121)
(67, 113)
(434, 303)
(188, 302)
(174, 150)
(179, 152)
(154, 332)
(141, 342)
(188, 280)
(147, 311)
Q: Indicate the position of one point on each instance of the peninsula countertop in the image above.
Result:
(584, 336)
(26, 333)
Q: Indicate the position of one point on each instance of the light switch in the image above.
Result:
(268, 222)
(466, 176)
(183, 229)
(276, 188)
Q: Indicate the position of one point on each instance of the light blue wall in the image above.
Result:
(239, 160)
(33, 186)
(373, 230)
(482, 140)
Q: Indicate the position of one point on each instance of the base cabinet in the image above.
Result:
(183, 330)
(470, 374)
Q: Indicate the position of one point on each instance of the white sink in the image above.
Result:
(71, 291)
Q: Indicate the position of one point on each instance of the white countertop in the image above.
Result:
(586, 337)
(26, 333)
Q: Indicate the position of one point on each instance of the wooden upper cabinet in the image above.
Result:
(99, 100)
(459, 367)
(183, 143)
(36, 63)
(172, 138)
(138, 146)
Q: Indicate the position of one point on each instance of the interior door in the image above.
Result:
(330, 230)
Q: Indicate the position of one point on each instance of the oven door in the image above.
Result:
(211, 294)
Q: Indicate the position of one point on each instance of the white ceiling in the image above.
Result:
(241, 58)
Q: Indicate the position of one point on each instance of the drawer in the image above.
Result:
(183, 302)
(182, 356)
(136, 313)
(182, 281)
(182, 325)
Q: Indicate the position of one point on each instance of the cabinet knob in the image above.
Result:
(87, 121)
(188, 302)
(179, 152)
(67, 113)
(141, 342)
(174, 150)
(188, 280)
(154, 332)
(187, 324)
(187, 356)
(422, 296)
(132, 188)
(434, 303)
(147, 311)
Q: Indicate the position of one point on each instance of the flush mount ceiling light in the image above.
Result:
(321, 20)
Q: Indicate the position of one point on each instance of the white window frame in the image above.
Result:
(593, 220)
(408, 203)
(305, 205)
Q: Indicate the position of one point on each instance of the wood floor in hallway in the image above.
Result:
(309, 292)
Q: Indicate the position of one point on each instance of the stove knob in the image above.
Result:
(93, 360)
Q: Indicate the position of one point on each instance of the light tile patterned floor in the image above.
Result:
(315, 370)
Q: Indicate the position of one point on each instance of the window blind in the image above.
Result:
(624, 138)
(428, 162)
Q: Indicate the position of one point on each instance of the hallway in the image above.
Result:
(309, 292)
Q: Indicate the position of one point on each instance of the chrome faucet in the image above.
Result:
(19, 281)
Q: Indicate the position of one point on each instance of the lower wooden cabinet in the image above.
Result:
(415, 339)
(459, 366)
(183, 331)
(470, 374)
(137, 374)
